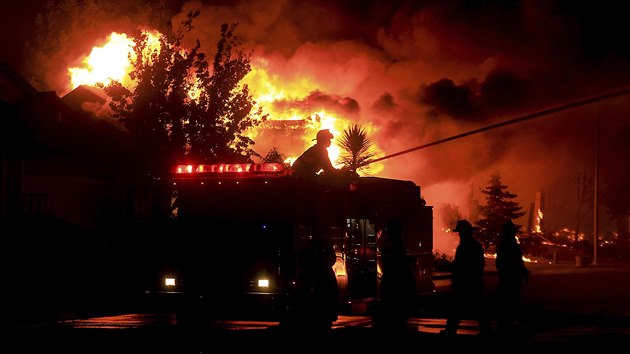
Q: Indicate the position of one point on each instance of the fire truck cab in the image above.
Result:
(231, 245)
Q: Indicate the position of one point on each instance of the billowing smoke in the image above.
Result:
(317, 100)
(420, 72)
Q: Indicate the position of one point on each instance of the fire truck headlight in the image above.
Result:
(169, 282)
(263, 283)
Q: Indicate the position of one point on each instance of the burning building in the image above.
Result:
(535, 215)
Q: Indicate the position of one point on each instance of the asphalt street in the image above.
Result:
(564, 307)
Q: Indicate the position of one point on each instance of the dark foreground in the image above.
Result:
(557, 335)
(564, 308)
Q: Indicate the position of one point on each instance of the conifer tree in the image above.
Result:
(500, 207)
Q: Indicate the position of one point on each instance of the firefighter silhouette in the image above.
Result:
(512, 276)
(468, 289)
(398, 287)
(317, 292)
(315, 158)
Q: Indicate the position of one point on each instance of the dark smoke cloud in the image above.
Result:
(454, 100)
(500, 92)
(317, 100)
(385, 103)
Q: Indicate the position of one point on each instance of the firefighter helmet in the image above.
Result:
(463, 225)
(324, 134)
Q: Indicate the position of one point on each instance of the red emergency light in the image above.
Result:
(245, 169)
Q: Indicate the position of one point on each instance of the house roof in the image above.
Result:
(43, 124)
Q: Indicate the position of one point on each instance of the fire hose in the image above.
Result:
(538, 114)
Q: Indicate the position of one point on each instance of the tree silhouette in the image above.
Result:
(499, 208)
(184, 108)
(274, 155)
(450, 213)
(356, 149)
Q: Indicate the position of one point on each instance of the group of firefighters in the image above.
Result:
(317, 290)
(397, 292)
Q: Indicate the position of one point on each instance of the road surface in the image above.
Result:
(564, 307)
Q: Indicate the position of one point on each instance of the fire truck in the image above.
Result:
(230, 247)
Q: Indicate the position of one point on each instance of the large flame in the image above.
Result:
(115, 60)
(106, 63)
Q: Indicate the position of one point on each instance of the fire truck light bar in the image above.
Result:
(233, 168)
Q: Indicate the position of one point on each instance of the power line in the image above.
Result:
(529, 116)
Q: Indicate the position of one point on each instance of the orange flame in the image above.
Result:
(115, 60)
(105, 64)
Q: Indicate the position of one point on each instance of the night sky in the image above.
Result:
(419, 71)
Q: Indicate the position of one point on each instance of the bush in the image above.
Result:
(442, 262)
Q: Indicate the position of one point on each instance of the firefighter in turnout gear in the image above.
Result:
(315, 158)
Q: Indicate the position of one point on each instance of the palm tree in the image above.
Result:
(356, 148)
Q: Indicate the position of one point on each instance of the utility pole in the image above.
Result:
(595, 196)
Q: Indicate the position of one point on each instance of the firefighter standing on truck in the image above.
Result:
(315, 159)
